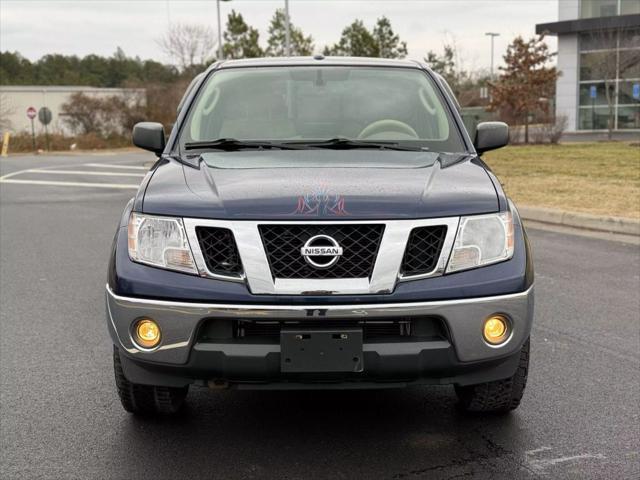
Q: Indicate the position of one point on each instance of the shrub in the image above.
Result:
(550, 131)
(22, 142)
(104, 117)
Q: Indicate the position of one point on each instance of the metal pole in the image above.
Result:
(33, 135)
(220, 54)
(492, 35)
(46, 136)
(287, 29)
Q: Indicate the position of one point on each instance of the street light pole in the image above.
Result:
(492, 35)
(219, 32)
(287, 29)
(220, 52)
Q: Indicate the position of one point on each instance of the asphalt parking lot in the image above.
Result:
(60, 417)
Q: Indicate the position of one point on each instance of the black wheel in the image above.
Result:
(500, 396)
(146, 399)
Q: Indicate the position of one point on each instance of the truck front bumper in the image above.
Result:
(462, 358)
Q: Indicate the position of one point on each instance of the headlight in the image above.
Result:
(160, 241)
(481, 240)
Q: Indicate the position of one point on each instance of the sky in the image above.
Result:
(80, 27)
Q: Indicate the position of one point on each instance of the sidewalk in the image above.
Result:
(624, 229)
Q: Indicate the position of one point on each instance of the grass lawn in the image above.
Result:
(598, 178)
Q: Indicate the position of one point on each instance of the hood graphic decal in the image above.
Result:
(321, 203)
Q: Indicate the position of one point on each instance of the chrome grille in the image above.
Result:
(360, 243)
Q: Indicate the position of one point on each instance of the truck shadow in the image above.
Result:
(315, 434)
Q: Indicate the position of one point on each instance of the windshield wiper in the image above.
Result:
(231, 144)
(341, 143)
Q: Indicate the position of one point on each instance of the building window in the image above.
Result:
(628, 117)
(629, 7)
(609, 86)
(626, 92)
(598, 8)
(593, 118)
(608, 8)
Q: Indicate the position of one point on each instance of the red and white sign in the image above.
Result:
(31, 113)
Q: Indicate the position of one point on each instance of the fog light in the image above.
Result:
(496, 329)
(147, 333)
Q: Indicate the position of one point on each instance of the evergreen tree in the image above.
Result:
(15, 69)
(300, 45)
(94, 70)
(448, 66)
(241, 40)
(358, 41)
(388, 43)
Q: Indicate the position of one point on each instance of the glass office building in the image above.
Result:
(599, 57)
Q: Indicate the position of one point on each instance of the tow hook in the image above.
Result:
(218, 384)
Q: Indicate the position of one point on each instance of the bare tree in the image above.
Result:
(526, 81)
(85, 114)
(606, 65)
(188, 45)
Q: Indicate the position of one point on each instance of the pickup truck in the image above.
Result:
(319, 223)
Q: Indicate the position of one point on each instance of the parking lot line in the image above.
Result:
(112, 165)
(71, 184)
(83, 172)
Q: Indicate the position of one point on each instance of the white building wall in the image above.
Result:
(568, 10)
(16, 99)
(567, 84)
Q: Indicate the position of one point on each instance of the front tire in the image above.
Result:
(146, 400)
(500, 396)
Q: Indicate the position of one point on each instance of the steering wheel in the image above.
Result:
(373, 130)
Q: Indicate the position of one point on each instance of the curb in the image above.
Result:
(71, 153)
(625, 226)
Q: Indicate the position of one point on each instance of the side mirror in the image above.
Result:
(150, 136)
(491, 135)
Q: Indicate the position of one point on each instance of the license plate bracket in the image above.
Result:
(321, 350)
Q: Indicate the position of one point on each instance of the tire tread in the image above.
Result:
(146, 399)
(500, 396)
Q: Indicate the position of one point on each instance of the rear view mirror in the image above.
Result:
(491, 135)
(150, 136)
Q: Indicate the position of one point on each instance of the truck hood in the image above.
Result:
(322, 184)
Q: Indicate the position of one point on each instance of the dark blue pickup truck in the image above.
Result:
(319, 223)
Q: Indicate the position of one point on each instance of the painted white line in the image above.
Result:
(84, 172)
(12, 174)
(112, 165)
(550, 462)
(536, 451)
(70, 184)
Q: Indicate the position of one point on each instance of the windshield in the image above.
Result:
(300, 104)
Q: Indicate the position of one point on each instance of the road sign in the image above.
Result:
(44, 115)
(31, 113)
(593, 92)
(636, 90)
